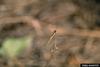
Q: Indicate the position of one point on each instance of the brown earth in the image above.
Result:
(66, 31)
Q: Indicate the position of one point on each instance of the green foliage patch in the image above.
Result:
(12, 47)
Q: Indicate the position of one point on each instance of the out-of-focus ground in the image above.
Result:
(64, 33)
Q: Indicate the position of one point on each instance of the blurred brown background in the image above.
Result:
(65, 33)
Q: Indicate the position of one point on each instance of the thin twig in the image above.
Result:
(51, 51)
(52, 36)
